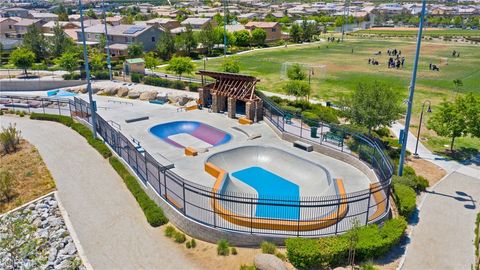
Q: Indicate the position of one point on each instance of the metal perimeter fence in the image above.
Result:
(305, 216)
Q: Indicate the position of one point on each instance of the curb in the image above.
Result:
(73, 234)
(27, 203)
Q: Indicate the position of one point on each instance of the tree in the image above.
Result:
(373, 104)
(22, 58)
(135, 50)
(352, 237)
(231, 65)
(151, 61)
(296, 33)
(242, 38)
(308, 30)
(259, 36)
(296, 72)
(297, 88)
(68, 61)
(186, 41)
(35, 42)
(456, 119)
(209, 36)
(91, 14)
(166, 45)
(97, 61)
(62, 13)
(61, 42)
(180, 65)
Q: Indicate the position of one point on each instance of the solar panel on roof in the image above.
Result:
(133, 30)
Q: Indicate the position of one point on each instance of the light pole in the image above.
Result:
(429, 110)
(93, 107)
(412, 91)
(225, 21)
(109, 64)
(205, 59)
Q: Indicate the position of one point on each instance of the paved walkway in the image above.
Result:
(108, 221)
(443, 238)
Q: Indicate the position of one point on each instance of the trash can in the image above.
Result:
(313, 132)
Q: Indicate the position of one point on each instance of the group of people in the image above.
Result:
(455, 53)
(434, 67)
(396, 63)
(332, 39)
(394, 52)
(372, 61)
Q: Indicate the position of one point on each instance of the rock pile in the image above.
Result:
(54, 248)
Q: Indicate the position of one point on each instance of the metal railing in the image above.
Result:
(200, 203)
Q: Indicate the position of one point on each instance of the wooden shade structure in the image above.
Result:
(230, 87)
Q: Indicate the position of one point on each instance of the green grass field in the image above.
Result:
(413, 32)
(345, 70)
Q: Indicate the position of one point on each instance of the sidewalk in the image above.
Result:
(110, 225)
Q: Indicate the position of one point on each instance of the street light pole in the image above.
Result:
(225, 21)
(93, 107)
(109, 64)
(412, 91)
(420, 125)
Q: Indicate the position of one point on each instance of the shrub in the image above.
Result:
(169, 231)
(177, 85)
(247, 267)
(418, 183)
(409, 171)
(268, 248)
(368, 266)
(179, 237)
(193, 87)
(98, 144)
(310, 118)
(152, 211)
(67, 121)
(7, 183)
(305, 253)
(383, 132)
(194, 243)
(188, 245)
(71, 76)
(101, 75)
(223, 247)
(10, 138)
(136, 77)
(281, 256)
(234, 251)
(405, 197)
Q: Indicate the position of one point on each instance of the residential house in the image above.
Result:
(70, 28)
(115, 20)
(273, 29)
(198, 23)
(14, 12)
(21, 27)
(120, 36)
(7, 26)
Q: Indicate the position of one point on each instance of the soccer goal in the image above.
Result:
(313, 70)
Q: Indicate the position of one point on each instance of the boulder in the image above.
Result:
(122, 92)
(148, 95)
(96, 89)
(183, 100)
(268, 262)
(133, 95)
(111, 91)
(82, 89)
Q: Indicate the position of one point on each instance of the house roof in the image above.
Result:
(118, 46)
(131, 30)
(43, 15)
(27, 22)
(261, 24)
(196, 21)
(135, 61)
(51, 24)
(160, 20)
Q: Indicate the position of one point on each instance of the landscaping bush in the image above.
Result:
(7, 182)
(136, 77)
(67, 121)
(368, 266)
(310, 118)
(179, 237)
(373, 241)
(71, 76)
(188, 245)
(268, 248)
(193, 87)
(223, 247)
(98, 144)
(169, 231)
(194, 243)
(101, 75)
(152, 211)
(234, 251)
(281, 256)
(247, 267)
(39, 66)
(10, 138)
(405, 198)
(418, 183)
(177, 85)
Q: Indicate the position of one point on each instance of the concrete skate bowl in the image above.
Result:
(182, 134)
(268, 188)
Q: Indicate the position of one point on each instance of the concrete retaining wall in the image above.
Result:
(37, 85)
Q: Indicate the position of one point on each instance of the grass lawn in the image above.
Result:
(345, 70)
(32, 177)
(411, 32)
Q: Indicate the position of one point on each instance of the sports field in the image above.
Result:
(344, 70)
(412, 32)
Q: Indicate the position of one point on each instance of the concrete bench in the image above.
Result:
(304, 146)
(244, 121)
(136, 119)
(190, 151)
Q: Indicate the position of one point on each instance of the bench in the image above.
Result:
(288, 119)
(333, 137)
(158, 101)
(304, 146)
(244, 121)
(189, 151)
(136, 119)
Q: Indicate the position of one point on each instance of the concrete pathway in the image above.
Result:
(443, 237)
(109, 223)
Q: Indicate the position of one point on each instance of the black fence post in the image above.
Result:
(165, 184)
(43, 105)
(184, 206)
(58, 104)
(338, 214)
(146, 168)
(368, 204)
(251, 215)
